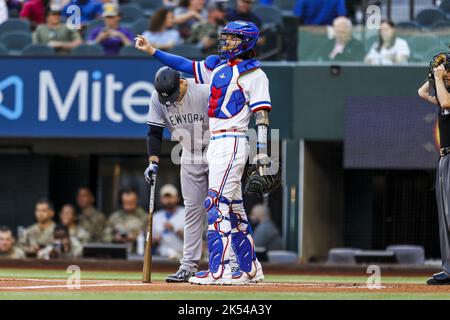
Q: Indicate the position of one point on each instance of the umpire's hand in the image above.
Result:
(150, 173)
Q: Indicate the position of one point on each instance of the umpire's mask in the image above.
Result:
(167, 84)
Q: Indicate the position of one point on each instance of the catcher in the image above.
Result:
(238, 89)
(436, 91)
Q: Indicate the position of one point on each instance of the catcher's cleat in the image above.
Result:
(205, 277)
(180, 276)
(242, 278)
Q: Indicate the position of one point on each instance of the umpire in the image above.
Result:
(436, 91)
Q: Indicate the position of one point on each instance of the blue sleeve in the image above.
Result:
(298, 10)
(342, 10)
(175, 62)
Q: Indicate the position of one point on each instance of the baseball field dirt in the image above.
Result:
(52, 284)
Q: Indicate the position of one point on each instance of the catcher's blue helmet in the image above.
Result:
(248, 32)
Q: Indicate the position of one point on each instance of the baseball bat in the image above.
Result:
(147, 272)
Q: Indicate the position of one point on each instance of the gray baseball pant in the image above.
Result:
(194, 186)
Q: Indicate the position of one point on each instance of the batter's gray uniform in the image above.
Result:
(187, 120)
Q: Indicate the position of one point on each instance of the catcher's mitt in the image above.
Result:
(262, 179)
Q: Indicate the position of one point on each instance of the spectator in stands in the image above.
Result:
(112, 37)
(187, 14)
(168, 224)
(343, 47)
(56, 34)
(89, 9)
(90, 219)
(125, 224)
(319, 12)
(68, 218)
(170, 3)
(14, 8)
(39, 234)
(161, 34)
(243, 11)
(63, 246)
(3, 11)
(389, 49)
(34, 11)
(206, 34)
(8, 250)
(265, 233)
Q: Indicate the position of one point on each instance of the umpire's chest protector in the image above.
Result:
(227, 97)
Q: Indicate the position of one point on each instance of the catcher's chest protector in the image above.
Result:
(227, 98)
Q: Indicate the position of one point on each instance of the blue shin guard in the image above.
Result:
(217, 238)
(241, 243)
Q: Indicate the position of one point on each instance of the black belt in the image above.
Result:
(444, 151)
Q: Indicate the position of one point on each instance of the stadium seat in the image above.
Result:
(88, 50)
(342, 256)
(445, 7)
(422, 45)
(426, 18)
(37, 50)
(287, 5)
(411, 25)
(139, 26)
(408, 254)
(187, 50)
(3, 50)
(130, 13)
(441, 25)
(14, 25)
(270, 16)
(149, 6)
(15, 41)
(132, 51)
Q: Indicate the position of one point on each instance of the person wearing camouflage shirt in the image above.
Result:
(8, 250)
(63, 246)
(39, 234)
(90, 219)
(125, 224)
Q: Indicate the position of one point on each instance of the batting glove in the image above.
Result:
(150, 173)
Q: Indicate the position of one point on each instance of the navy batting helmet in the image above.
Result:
(167, 84)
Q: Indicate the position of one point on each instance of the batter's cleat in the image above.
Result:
(439, 279)
(206, 278)
(180, 276)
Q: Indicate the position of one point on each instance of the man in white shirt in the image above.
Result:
(3, 11)
(168, 224)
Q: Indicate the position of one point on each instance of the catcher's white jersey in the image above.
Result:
(255, 87)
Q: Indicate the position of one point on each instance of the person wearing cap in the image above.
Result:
(180, 105)
(205, 34)
(34, 11)
(112, 37)
(243, 12)
(56, 34)
(168, 224)
(125, 224)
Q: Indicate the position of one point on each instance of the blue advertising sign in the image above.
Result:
(75, 97)
(390, 133)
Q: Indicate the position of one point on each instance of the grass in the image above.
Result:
(194, 295)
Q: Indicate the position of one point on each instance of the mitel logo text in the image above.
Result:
(93, 96)
(11, 109)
